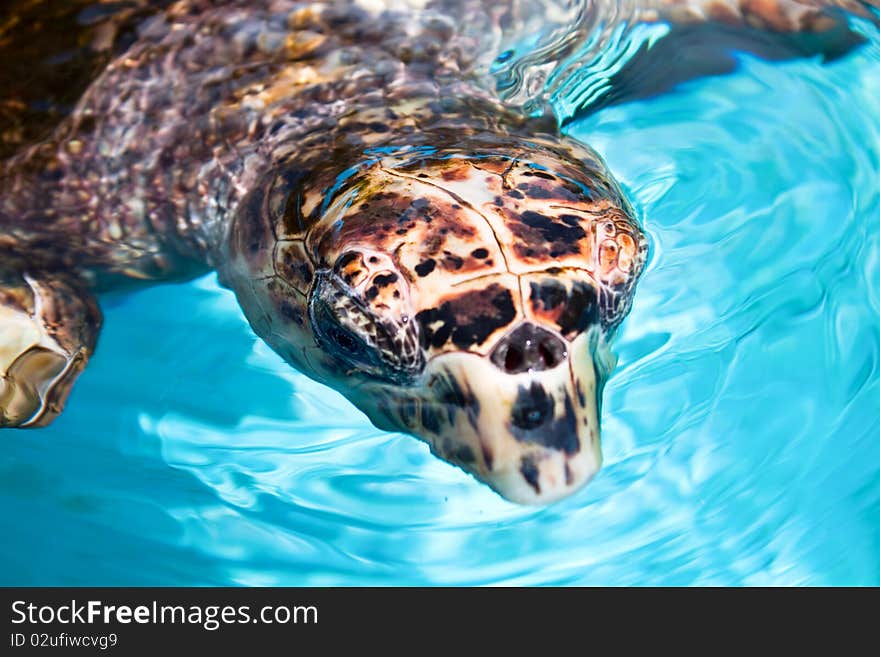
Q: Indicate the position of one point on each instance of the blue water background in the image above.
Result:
(741, 428)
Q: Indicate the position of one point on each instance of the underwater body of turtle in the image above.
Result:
(390, 225)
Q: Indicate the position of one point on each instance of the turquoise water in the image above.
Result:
(741, 428)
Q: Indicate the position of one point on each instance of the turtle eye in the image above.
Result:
(336, 334)
(358, 338)
(347, 343)
(342, 339)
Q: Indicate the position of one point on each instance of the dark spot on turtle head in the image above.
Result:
(448, 391)
(530, 472)
(384, 280)
(436, 326)
(468, 319)
(459, 453)
(548, 295)
(291, 312)
(540, 174)
(425, 267)
(453, 397)
(541, 236)
(374, 260)
(371, 293)
(480, 253)
(543, 190)
(569, 477)
(420, 203)
(430, 420)
(463, 454)
(451, 261)
(515, 194)
(407, 411)
(551, 231)
(533, 420)
(581, 310)
(532, 408)
(499, 201)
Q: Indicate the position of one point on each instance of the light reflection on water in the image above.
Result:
(741, 428)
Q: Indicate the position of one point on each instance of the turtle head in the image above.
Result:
(463, 296)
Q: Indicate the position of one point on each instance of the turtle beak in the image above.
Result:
(525, 420)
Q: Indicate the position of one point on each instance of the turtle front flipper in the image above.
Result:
(704, 36)
(48, 329)
(659, 44)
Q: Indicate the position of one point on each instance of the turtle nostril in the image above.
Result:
(550, 354)
(528, 348)
(513, 359)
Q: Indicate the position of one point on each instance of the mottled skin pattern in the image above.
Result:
(388, 225)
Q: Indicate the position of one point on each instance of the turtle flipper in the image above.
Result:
(48, 329)
(694, 50)
(704, 36)
(661, 43)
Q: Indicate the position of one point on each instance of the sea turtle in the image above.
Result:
(391, 224)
